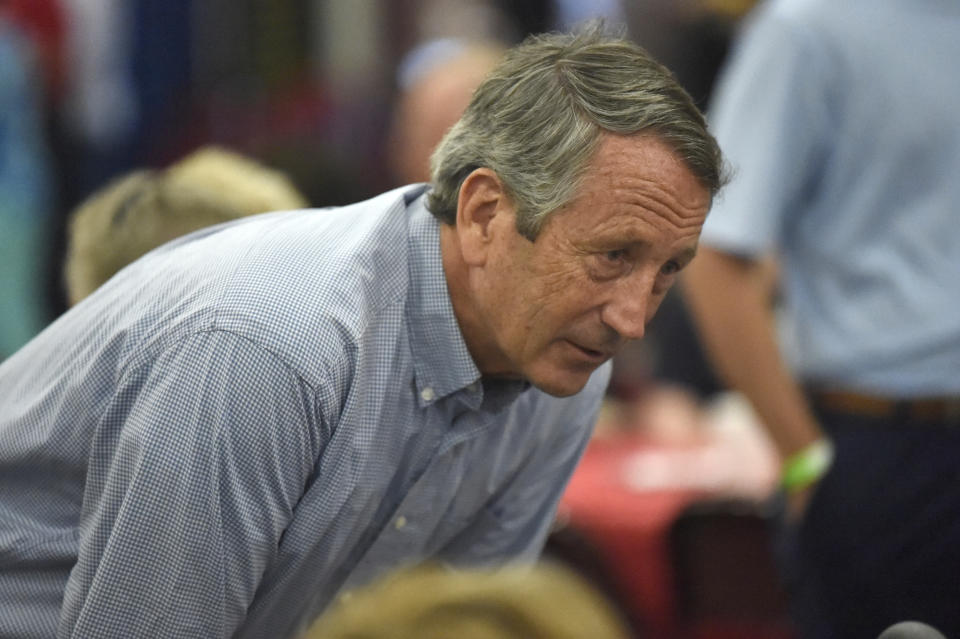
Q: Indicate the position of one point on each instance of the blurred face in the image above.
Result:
(432, 105)
(555, 309)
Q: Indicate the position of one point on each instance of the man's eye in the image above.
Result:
(606, 265)
(670, 268)
(617, 255)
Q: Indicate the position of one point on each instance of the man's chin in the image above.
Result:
(561, 384)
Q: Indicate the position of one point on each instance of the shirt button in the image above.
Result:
(400, 522)
(427, 394)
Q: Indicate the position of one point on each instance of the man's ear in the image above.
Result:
(482, 197)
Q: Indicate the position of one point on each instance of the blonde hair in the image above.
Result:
(144, 209)
(541, 602)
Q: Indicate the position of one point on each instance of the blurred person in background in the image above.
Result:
(436, 81)
(252, 418)
(139, 211)
(25, 202)
(430, 602)
(840, 122)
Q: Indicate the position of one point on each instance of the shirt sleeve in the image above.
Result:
(195, 471)
(771, 114)
(514, 525)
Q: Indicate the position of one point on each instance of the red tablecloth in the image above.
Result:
(627, 520)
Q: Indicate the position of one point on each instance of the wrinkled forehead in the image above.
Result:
(640, 170)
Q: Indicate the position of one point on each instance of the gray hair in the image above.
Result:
(538, 117)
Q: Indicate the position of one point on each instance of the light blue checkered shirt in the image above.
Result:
(256, 417)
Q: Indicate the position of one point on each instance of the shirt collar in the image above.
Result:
(441, 361)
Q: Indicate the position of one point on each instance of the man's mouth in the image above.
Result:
(590, 353)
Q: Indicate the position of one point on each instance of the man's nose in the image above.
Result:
(627, 311)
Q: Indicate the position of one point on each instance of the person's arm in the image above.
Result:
(774, 114)
(729, 299)
(195, 472)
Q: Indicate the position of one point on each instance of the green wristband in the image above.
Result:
(806, 466)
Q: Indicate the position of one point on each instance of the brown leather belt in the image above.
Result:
(941, 409)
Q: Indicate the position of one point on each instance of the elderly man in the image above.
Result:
(254, 418)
